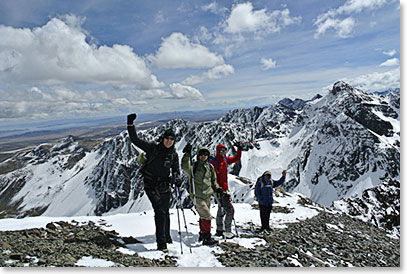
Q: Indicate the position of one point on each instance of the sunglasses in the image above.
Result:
(169, 138)
(222, 150)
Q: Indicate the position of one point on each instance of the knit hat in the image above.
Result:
(169, 133)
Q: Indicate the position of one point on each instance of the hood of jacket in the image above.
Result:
(201, 149)
(218, 148)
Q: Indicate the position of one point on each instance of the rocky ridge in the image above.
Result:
(378, 205)
(62, 244)
(326, 240)
(329, 239)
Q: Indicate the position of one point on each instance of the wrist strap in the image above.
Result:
(130, 125)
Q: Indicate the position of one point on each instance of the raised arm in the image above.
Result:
(131, 129)
(237, 157)
(281, 180)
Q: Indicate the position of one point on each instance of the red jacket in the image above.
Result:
(222, 168)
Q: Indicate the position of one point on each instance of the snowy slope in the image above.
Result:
(141, 226)
(332, 147)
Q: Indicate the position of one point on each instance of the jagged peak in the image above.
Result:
(340, 87)
(318, 96)
(297, 104)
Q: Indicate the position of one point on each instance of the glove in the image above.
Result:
(284, 173)
(131, 118)
(219, 191)
(187, 149)
(226, 197)
(238, 145)
(178, 182)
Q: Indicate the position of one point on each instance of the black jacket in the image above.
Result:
(161, 161)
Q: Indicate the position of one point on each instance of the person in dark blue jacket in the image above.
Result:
(264, 195)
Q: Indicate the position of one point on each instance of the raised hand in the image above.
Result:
(187, 148)
(131, 118)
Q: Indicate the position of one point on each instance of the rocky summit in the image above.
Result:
(326, 240)
(63, 244)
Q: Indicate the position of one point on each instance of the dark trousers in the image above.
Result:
(160, 202)
(265, 216)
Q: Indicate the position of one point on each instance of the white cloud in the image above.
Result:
(153, 94)
(357, 6)
(58, 53)
(390, 63)
(215, 8)
(217, 72)
(377, 81)
(53, 101)
(390, 52)
(177, 51)
(244, 19)
(160, 17)
(344, 27)
(268, 63)
(204, 34)
(185, 92)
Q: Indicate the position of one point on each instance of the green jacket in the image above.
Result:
(204, 176)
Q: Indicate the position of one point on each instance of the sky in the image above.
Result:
(61, 59)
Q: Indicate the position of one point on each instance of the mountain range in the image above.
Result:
(341, 150)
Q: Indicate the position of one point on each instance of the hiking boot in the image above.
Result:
(219, 233)
(162, 248)
(209, 241)
(228, 235)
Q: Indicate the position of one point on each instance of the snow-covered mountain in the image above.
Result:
(333, 147)
(378, 205)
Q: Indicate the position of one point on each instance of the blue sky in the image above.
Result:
(63, 59)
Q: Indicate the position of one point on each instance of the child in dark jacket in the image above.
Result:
(264, 194)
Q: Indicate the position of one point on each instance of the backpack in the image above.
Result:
(141, 159)
(262, 182)
(217, 164)
(195, 166)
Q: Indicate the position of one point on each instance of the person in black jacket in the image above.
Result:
(160, 169)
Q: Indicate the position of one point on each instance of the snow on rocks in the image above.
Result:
(298, 238)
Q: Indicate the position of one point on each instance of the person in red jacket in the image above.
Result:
(225, 212)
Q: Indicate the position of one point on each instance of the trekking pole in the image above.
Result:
(218, 202)
(234, 221)
(185, 223)
(179, 229)
(177, 196)
(232, 211)
(192, 179)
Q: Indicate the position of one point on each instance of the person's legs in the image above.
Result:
(160, 203)
(263, 217)
(203, 209)
(207, 236)
(230, 211)
(267, 217)
(219, 221)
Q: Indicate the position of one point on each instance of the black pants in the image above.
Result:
(265, 216)
(160, 202)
